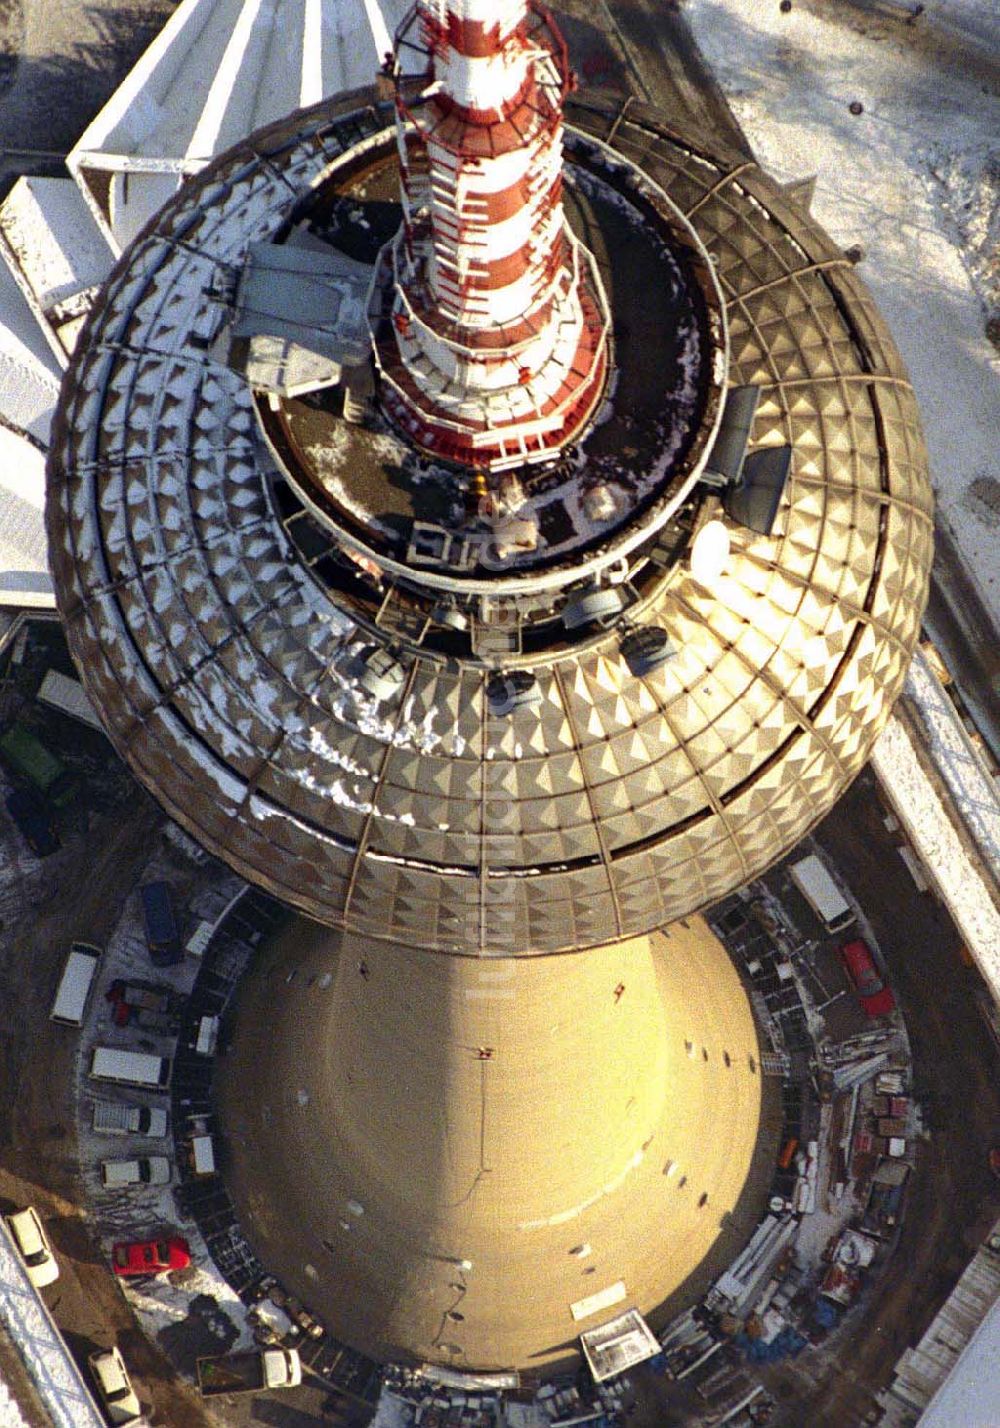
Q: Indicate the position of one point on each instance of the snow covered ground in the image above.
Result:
(10, 1414)
(914, 179)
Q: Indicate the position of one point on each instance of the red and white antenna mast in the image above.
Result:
(497, 351)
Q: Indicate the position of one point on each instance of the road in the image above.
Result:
(60, 61)
(644, 48)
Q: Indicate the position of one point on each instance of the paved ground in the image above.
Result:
(77, 892)
(644, 48)
(60, 61)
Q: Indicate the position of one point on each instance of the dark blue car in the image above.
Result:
(33, 821)
(162, 936)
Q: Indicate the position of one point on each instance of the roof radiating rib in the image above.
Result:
(56, 255)
(24, 574)
(218, 70)
(217, 659)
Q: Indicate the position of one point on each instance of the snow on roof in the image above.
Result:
(29, 372)
(919, 808)
(55, 252)
(10, 1414)
(971, 1392)
(218, 70)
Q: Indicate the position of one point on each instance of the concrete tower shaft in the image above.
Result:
(500, 323)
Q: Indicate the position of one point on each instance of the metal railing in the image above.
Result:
(958, 761)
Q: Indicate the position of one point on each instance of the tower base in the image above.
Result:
(469, 1162)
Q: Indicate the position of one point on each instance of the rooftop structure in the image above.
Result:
(949, 1377)
(224, 607)
(465, 630)
(218, 70)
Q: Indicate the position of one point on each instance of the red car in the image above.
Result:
(150, 1256)
(875, 997)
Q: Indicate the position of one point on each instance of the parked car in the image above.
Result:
(875, 997)
(150, 1256)
(162, 935)
(114, 1386)
(33, 1246)
(31, 818)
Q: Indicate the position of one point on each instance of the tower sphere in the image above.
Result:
(477, 711)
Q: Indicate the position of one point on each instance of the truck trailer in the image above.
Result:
(162, 936)
(821, 893)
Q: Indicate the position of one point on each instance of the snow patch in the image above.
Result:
(790, 79)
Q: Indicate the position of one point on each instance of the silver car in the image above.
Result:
(114, 1386)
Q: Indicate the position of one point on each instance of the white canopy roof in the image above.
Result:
(218, 70)
(56, 254)
(29, 372)
(971, 1392)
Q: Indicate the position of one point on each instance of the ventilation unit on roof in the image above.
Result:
(647, 650)
(754, 501)
(593, 607)
(508, 690)
(725, 463)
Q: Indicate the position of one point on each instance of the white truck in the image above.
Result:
(143, 1170)
(120, 1118)
(256, 1369)
(75, 983)
(821, 893)
(129, 1068)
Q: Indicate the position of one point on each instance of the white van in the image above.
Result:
(61, 692)
(33, 1246)
(143, 1170)
(129, 1068)
(821, 893)
(75, 984)
(202, 1155)
(208, 1035)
